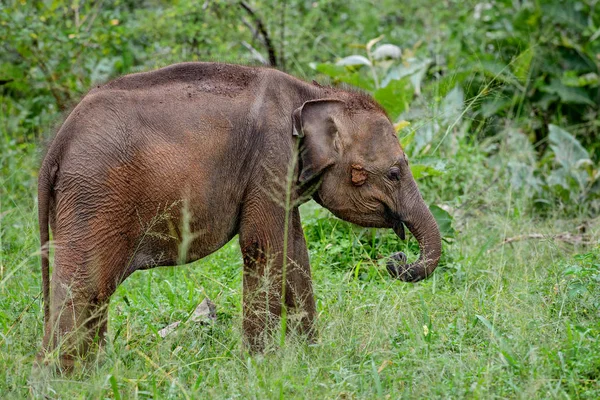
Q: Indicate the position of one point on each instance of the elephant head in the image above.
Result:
(350, 146)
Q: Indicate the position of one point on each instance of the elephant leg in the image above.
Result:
(71, 313)
(261, 236)
(262, 243)
(80, 290)
(97, 324)
(262, 292)
(299, 292)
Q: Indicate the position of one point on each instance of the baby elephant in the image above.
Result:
(163, 168)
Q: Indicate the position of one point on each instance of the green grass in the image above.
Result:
(519, 320)
(513, 321)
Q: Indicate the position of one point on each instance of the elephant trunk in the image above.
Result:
(421, 223)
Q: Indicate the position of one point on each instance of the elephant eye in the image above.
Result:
(394, 174)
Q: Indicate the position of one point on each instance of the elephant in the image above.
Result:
(163, 168)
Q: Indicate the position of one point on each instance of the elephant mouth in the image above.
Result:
(396, 222)
(399, 230)
(317, 198)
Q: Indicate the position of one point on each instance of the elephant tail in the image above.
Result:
(45, 184)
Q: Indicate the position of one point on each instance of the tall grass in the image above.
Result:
(518, 320)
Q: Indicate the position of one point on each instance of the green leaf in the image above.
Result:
(342, 74)
(10, 71)
(453, 104)
(522, 64)
(406, 140)
(415, 68)
(571, 79)
(421, 171)
(428, 167)
(560, 13)
(115, 387)
(444, 221)
(546, 100)
(567, 149)
(497, 71)
(568, 94)
(395, 97)
(495, 106)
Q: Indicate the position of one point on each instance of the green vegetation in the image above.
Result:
(497, 107)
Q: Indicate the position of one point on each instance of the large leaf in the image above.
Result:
(444, 221)
(453, 105)
(425, 132)
(568, 94)
(559, 177)
(428, 167)
(572, 157)
(395, 97)
(495, 106)
(522, 177)
(353, 60)
(387, 51)
(559, 13)
(416, 69)
(420, 171)
(567, 150)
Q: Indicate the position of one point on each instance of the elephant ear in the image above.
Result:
(314, 122)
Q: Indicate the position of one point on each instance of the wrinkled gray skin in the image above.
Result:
(211, 144)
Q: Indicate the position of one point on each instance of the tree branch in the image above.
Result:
(263, 31)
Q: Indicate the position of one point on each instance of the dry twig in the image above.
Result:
(574, 239)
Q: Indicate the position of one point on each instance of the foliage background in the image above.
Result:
(496, 102)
